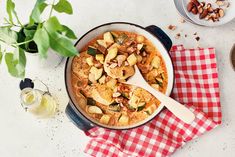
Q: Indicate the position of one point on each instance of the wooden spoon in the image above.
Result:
(175, 107)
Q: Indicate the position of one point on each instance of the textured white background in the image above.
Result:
(23, 135)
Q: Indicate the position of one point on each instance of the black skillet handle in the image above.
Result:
(162, 36)
(79, 120)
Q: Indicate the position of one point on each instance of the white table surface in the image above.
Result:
(22, 135)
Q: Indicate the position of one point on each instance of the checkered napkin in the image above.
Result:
(196, 86)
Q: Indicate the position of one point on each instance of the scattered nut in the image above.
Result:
(182, 20)
(120, 59)
(202, 4)
(197, 38)
(208, 17)
(200, 9)
(113, 65)
(210, 10)
(208, 5)
(195, 2)
(194, 10)
(126, 63)
(131, 49)
(177, 36)
(116, 94)
(171, 27)
(220, 3)
(214, 17)
(114, 61)
(203, 14)
(221, 13)
(98, 64)
(190, 6)
(216, 10)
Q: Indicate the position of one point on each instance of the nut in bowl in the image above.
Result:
(211, 12)
(95, 79)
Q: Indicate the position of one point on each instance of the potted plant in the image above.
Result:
(37, 37)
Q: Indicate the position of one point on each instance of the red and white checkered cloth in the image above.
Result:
(196, 86)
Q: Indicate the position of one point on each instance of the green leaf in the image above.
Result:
(28, 36)
(1, 55)
(29, 33)
(16, 63)
(63, 6)
(52, 25)
(58, 42)
(68, 32)
(62, 45)
(10, 9)
(11, 64)
(42, 7)
(37, 11)
(22, 57)
(41, 38)
(7, 35)
(26, 45)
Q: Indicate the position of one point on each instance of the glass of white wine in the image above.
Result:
(37, 102)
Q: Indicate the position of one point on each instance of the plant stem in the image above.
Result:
(12, 24)
(17, 25)
(22, 42)
(17, 44)
(52, 5)
(21, 25)
(6, 26)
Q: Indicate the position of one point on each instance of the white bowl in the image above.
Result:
(180, 9)
(229, 14)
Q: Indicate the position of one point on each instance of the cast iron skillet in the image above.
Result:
(77, 117)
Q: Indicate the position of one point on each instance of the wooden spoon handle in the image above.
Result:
(175, 107)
